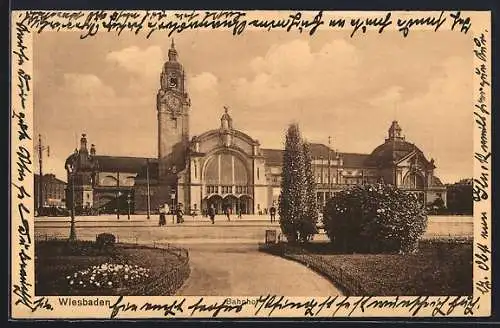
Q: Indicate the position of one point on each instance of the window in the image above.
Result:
(258, 174)
(211, 189)
(195, 175)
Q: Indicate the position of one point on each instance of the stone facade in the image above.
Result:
(228, 168)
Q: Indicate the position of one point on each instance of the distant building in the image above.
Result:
(53, 191)
(459, 196)
(227, 168)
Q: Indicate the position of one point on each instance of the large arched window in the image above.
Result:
(226, 170)
(212, 171)
(414, 181)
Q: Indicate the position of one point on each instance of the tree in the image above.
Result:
(293, 179)
(375, 218)
(310, 215)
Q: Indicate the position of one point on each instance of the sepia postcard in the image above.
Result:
(250, 164)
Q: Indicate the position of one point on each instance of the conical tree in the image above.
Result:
(292, 196)
(310, 218)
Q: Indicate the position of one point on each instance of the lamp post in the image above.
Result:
(118, 194)
(172, 196)
(40, 190)
(71, 169)
(148, 191)
(128, 204)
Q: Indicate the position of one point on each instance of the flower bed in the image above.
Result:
(108, 275)
(120, 270)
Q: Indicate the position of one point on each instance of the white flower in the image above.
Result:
(126, 276)
(71, 282)
(110, 283)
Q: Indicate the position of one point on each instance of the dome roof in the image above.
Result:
(391, 151)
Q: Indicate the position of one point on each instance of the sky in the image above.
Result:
(332, 85)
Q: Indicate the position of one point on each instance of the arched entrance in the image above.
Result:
(215, 201)
(230, 202)
(226, 176)
(245, 203)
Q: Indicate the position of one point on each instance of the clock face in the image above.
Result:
(172, 102)
(172, 81)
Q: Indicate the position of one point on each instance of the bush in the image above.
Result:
(104, 240)
(375, 218)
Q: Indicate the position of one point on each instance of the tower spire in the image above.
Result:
(172, 52)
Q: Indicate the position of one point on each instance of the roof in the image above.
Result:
(122, 163)
(275, 156)
(392, 150)
(355, 159)
(49, 178)
(436, 182)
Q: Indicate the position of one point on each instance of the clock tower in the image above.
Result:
(172, 104)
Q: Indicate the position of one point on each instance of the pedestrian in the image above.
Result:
(163, 220)
(227, 212)
(179, 213)
(239, 213)
(272, 211)
(211, 213)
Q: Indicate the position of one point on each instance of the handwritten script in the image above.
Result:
(330, 306)
(482, 156)
(23, 288)
(89, 23)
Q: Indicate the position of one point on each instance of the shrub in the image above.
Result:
(375, 218)
(104, 240)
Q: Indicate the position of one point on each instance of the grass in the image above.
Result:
(57, 259)
(438, 268)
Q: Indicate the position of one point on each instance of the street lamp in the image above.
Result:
(128, 203)
(172, 196)
(118, 194)
(70, 166)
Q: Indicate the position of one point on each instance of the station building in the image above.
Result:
(227, 167)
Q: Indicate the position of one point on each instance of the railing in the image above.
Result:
(165, 284)
(130, 240)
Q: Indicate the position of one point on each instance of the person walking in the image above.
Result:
(211, 213)
(179, 213)
(228, 213)
(239, 212)
(272, 211)
(163, 219)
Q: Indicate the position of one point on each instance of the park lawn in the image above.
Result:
(53, 262)
(439, 269)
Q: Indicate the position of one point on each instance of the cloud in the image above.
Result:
(203, 82)
(389, 98)
(293, 71)
(143, 62)
(84, 85)
(204, 90)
